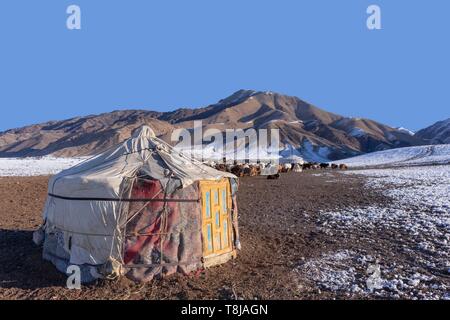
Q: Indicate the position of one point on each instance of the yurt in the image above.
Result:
(142, 210)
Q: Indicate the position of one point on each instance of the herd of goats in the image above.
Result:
(272, 171)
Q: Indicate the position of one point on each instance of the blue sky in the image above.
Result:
(162, 55)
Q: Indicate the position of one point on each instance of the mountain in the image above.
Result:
(438, 133)
(310, 130)
(79, 136)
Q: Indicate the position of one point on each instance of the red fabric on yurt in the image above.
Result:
(162, 237)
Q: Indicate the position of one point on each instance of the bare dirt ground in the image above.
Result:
(281, 231)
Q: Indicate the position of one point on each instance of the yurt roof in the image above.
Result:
(102, 175)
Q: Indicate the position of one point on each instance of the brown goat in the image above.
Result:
(237, 171)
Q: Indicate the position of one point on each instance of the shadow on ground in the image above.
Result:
(21, 263)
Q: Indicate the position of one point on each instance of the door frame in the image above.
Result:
(222, 255)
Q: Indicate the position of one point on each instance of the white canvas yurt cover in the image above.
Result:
(138, 210)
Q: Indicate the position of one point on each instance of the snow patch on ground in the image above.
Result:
(35, 166)
(355, 273)
(330, 272)
(419, 216)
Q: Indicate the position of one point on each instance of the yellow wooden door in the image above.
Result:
(216, 222)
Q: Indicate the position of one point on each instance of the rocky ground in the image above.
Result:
(311, 235)
(414, 226)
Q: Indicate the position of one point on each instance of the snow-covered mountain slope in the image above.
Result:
(287, 154)
(407, 131)
(420, 155)
(35, 166)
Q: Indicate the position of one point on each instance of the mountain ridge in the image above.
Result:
(302, 125)
(437, 133)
